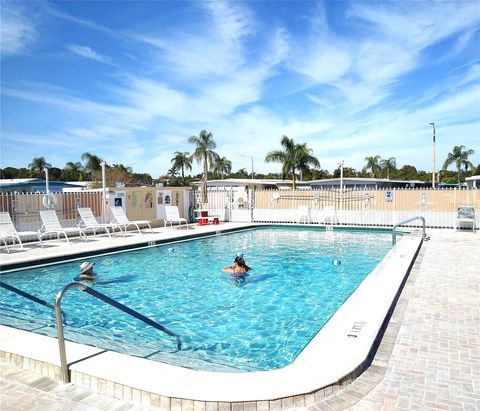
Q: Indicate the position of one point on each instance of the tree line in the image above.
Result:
(296, 159)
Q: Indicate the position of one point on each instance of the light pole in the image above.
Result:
(104, 193)
(341, 183)
(244, 155)
(433, 170)
(47, 188)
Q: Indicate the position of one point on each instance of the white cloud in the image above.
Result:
(17, 32)
(87, 52)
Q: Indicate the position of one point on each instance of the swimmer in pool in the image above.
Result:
(238, 270)
(86, 271)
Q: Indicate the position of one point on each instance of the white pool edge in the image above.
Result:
(337, 350)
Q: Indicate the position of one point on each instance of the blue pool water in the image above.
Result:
(292, 291)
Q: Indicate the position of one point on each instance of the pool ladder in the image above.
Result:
(108, 300)
(394, 233)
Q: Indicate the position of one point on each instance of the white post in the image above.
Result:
(47, 188)
(104, 193)
(433, 170)
(341, 186)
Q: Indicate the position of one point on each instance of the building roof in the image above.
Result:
(362, 180)
(243, 181)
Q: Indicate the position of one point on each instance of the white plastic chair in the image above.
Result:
(119, 218)
(51, 225)
(89, 222)
(173, 216)
(465, 217)
(303, 214)
(9, 232)
(330, 215)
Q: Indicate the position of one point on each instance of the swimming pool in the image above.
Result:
(291, 293)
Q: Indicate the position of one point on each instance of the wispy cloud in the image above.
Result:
(87, 52)
(17, 32)
(250, 81)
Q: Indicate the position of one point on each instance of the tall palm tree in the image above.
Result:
(182, 161)
(37, 165)
(372, 165)
(389, 165)
(204, 150)
(74, 170)
(222, 166)
(459, 156)
(293, 157)
(93, 163)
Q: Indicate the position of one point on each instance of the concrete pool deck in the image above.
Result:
(446, 251)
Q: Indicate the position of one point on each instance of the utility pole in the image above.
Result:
(433, 170)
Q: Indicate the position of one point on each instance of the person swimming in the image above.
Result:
(86, 271)
(238, 270)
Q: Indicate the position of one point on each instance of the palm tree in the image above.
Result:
(37, 165)
(459, 156)
(182, 161)
(222, 166)
(372, 165)
(74, 171)
(204, 151)
(93, 163)
(294, 157)
(122, 168)
(389, 165)
(172, 173)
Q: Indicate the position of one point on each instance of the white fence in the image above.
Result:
(360, 207)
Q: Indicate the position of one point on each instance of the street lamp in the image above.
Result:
(340, 164)
(244, 155)
(433, 170)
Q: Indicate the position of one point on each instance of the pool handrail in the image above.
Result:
(418, 217)
(108, 300)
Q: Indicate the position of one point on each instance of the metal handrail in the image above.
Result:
(394, 234)
(108, 300)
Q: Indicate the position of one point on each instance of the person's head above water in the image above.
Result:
(86, 269)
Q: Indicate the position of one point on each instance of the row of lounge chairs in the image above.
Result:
(88, 225)
(51, 226)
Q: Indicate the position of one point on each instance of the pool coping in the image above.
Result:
(350, 334)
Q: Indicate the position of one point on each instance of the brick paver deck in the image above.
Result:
(429, 357)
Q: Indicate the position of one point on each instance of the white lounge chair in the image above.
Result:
(4, 239)
(173, 216)
(9, 232)
(51, 225)
(303, 214)
(88, 222)
(119, 217)
(330, 215)
(465, 217)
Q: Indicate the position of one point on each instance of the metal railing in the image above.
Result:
(108, 300)
(394, 234)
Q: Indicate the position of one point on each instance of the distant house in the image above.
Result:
(358, 182)
(235, 184)
(34, 185)
(473, 181)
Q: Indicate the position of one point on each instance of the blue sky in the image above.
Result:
(130, 81)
